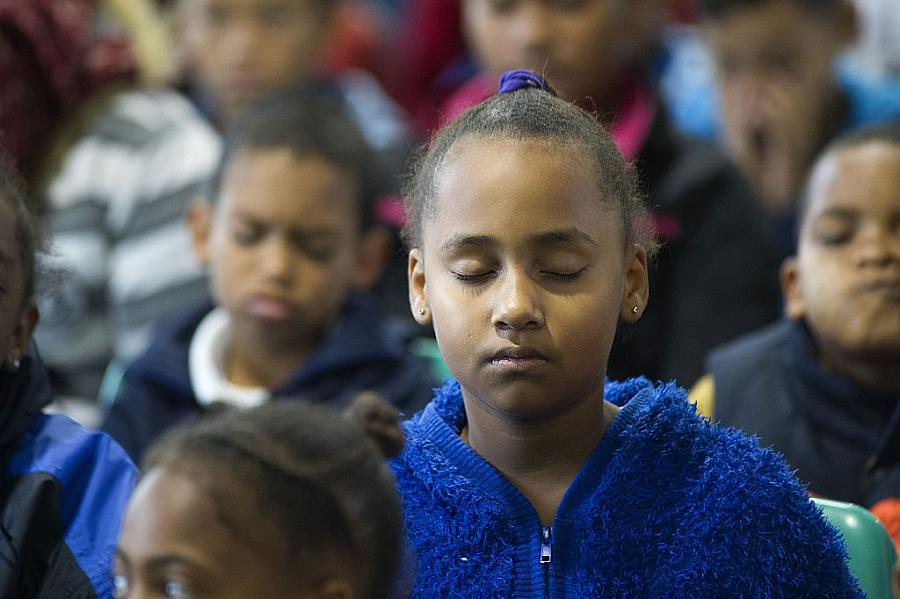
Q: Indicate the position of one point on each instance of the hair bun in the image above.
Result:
(511, 81)
(379, 419)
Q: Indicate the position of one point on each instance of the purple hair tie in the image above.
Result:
(512, 81)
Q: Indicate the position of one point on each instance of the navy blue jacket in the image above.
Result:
(843, 439)
(63, 495)
(360, 353)
(666, 506)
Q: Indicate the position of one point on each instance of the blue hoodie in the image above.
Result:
(63, 495)
(666, 506)
(360, 353)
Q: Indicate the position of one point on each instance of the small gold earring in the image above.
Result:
(635, 310)
(421, 311)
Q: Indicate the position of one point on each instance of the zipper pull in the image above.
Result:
(546, 550)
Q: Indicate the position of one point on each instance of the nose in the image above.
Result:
(517, 306)
(878, 246)
(276, 261)
(240, 41)
(531, 29)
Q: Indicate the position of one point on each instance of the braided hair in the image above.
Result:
(319, 477)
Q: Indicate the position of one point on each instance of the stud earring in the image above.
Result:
(13, 364)
(635, 310)
(421, 311)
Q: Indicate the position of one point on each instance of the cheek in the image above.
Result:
(458, 321)
(330, 279)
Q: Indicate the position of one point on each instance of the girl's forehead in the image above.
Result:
(517, 187)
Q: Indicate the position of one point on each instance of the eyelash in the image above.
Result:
(559, 276)
(565, 277)
(471, 278)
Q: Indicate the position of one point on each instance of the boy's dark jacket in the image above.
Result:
(666, 506)
(716, 276)
(63, 495)
(843, 439)
(361, 353)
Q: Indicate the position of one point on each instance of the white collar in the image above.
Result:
(206, 366)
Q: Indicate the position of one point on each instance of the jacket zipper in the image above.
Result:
(546, 556)
(546, 548)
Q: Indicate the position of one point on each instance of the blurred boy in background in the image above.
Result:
(822, 385)
(288, 236)
(781, 97)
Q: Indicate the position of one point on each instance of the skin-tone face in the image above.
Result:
(581, 46)
(779, 100)
(175, 545)
(284, 248)
(845, 280)
(524, 274)
(244, 49)
(18, 316)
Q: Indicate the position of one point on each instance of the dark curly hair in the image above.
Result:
(29, 235)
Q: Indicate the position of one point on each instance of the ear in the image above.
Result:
(374, 252)
(418, 289)
(791, 290)
(333, 588)
(25, 326)
(199, 219)
(636, 291)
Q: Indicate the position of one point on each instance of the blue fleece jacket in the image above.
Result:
(360, 353)
(63, 495)
(666, 506)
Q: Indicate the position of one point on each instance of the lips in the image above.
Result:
(517, 359)
(269, 307)
(889, 288)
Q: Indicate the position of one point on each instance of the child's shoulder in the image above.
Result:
(173, 335)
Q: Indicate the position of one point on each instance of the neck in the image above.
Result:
(541, 459)
(878, 374)
(252, 362)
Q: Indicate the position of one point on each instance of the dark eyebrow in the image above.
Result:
(160, 561)
(837, 212)
(572, 235)
(460, 241)
(171, 559)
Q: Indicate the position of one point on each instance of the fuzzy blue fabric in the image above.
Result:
(667, 505)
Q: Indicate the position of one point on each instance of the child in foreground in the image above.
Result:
(596, 51)
(282, 501)
(822, 385)
(289, 241)
(528, 476)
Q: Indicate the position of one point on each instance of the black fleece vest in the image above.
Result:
(843, 440)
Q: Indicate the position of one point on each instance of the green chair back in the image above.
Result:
(873, 559)
(427, 349)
